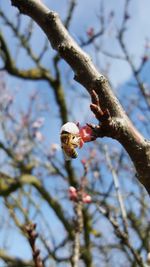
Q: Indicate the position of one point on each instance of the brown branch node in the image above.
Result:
(103, 116)
(32, 236)
(96, 109)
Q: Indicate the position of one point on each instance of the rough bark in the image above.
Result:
(118, 126)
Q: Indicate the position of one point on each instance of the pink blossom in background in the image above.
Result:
(76, 195)
(38, 123)
(141, 117)
(55, 147)
(83, 161)
(39, 136)
(73, 193)
(90, 32)
(86, 198)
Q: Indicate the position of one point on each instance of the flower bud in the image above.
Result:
(73, 193)
(86, 199)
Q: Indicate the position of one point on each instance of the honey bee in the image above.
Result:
(69, 142)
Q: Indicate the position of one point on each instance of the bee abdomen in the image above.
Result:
(74, 154)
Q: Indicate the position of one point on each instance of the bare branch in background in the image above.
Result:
(122, 235)
(118, 191)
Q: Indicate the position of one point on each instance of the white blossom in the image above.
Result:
(38, 123)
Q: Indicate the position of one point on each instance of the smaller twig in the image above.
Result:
(125, 19)
(103, 116)
(79, 197)
(32, 235)
(95, 35)
(72, 5)
(78, 230)
(118, 191)
(92, 38)
(44, 49)
(29, 30)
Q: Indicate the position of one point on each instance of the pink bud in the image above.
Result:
(86, 134)
(86, 198)
(141, 117)
(72, 189)
(83, 161)
(73, 193)
(90, 32)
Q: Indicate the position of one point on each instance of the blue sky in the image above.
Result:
(138, 30)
